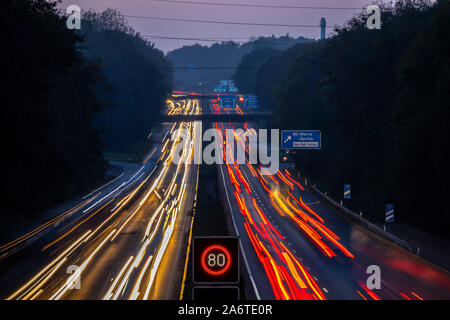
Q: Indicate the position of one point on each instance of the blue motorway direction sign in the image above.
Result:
(228, 101)
(251, 101)
(300, 139)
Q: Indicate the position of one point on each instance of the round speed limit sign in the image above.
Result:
(216, 260)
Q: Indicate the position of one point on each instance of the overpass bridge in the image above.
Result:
(210, 117)
(194, 96)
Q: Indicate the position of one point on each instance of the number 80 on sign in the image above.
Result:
(216, 260)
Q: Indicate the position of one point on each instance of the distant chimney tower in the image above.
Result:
(323, 24)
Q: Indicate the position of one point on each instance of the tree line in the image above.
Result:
(139, 73)
(381, 101)
(195, 64)
(66, 96)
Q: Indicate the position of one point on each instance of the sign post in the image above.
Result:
(215, 260)
(251, 101)
(228, 101)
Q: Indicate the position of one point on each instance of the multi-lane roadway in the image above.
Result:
(295, 247)
(128, 238)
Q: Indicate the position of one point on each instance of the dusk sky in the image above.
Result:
(179, 29)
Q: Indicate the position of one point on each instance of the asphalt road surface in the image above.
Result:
(295, 247)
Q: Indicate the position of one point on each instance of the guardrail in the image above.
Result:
(369, 225)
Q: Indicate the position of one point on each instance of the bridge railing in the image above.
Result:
(247, 117)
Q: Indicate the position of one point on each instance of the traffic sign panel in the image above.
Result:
(215, 260)
(300, 139)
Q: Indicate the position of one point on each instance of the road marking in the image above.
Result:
(325, 289)
(102, 186)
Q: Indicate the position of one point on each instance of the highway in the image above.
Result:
(122, 240)
(295, 247)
